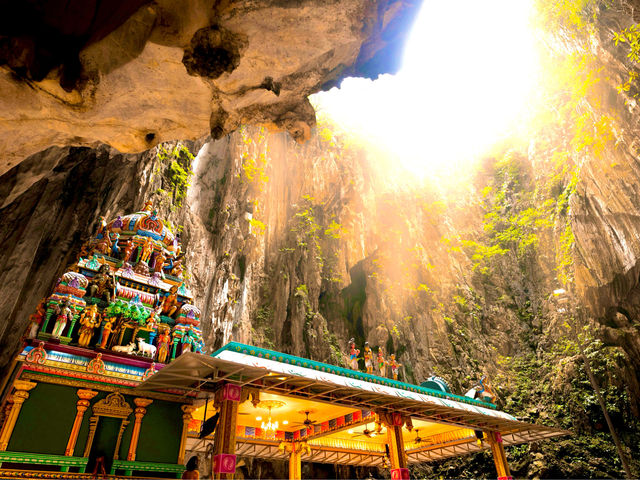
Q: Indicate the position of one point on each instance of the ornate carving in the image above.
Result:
(149, 371)
(37, 355)
(114, 405)
(96, 365)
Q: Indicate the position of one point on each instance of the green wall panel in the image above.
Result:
(45, 420)
(160, 433)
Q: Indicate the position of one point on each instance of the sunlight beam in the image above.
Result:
(468, 73)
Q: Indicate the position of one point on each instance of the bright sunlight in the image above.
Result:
(470, 69)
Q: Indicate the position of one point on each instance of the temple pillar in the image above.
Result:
(224, 458)
(7, 409)
(295, 462)
(397, 456)
(186, 418)
(499, 456)
(19, 397)
(81, 406)
(139, 412)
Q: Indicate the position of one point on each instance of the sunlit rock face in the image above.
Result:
(133, 74)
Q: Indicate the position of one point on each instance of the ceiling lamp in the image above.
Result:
(270, 427)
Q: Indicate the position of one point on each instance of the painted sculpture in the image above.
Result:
(36, 320)
(125, 294)
(353, 354)
(89, 320)
(395, 366)
(368, 358)
(482, 391)
(63, 316)
(382, 363)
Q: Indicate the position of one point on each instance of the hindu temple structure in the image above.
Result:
(111, 382)
(115, 317)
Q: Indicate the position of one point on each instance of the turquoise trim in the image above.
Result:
(343, 372)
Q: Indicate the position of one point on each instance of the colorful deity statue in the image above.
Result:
(105, 331)
(36, 319)
(115, 249)
(482, 391)
(89, 320)
(63, 315)
(382, 362)
(170, 302)
(368, 357)
(158, 261)
(395, 366)
(101, 285)
(177, 268)
(101, 228)
(147, 248)
(353, 355)
(129, 247)
(164, 342)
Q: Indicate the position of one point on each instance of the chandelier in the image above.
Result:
(270, 427)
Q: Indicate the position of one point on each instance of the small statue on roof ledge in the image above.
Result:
(394, 366)
(482, 391)
(353, 354)
(382, 362)
(368, 357)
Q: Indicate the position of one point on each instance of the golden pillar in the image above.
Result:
(186, 418)
(139, 412)
(499, 455)
(224, 458)
(7, 409)
(19, 397)
(295, 462)
(397, 456)
(81, 406)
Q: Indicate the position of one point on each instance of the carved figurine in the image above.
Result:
(164, 341)
(147, 248)
(36, 319)
(146, 349)
(394, 366)
(101, 228)
(63, 315)
(101, 285)
(115, 249)
(482, 391)
(177, 268)
(128, 250)
(368, 357)
(105, 331)
(158, 261)
(353, 355)
(89, 320)
(170, 302)
(382, 362)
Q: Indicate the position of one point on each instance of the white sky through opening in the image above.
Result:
(468, 73)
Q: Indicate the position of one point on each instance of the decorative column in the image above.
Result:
(186, 418)
(499, 456)
(7, 409)
(139, 412)
(81, 406)
(398, 458)
(19, 397)
(93, 425)
(295, 462)
(224, 459)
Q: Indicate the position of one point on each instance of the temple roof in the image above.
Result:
(327, 390)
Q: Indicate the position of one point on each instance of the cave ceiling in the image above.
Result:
(133, 73)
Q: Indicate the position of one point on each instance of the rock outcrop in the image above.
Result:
(133, 74)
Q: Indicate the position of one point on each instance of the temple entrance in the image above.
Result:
(104, 444)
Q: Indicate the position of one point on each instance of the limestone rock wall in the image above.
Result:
(133, 74)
